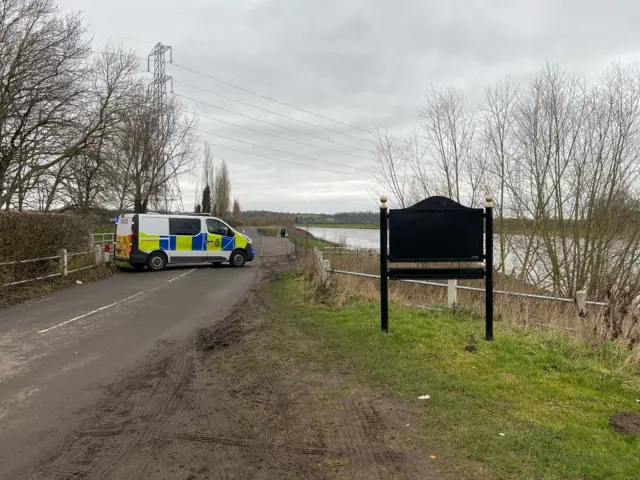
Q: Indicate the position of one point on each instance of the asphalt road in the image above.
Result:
(56, 352)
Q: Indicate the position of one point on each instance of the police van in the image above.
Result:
(156, 240)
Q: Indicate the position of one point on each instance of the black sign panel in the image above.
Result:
(437, 229)
(436, 235)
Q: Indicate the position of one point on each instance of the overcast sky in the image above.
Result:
(366, 63)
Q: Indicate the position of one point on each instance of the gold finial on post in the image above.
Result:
(489, 200)
(383, 202)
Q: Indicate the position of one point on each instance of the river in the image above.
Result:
(363, 238)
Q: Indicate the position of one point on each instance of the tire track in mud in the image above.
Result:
(179, 372)
(237, 421)
(219, 410)
(355, 439)
(281, 405)
(160, 400)
(374, 426)
(220, 455)
(250, 443)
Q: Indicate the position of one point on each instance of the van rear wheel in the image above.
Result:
(238, 258)
(157, 261)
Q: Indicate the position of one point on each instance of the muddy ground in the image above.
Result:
(226, 404)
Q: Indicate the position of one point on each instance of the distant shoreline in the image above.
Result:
(362, 226)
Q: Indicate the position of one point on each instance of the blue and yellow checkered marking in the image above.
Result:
(197, 243)
(228, 244)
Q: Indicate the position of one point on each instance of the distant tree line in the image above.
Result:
(351, 218)
(346, 218)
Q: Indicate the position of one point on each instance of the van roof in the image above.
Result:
(174, 215)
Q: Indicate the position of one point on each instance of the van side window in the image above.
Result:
(216, 227)
(185, 226)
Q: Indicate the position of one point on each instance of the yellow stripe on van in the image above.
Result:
(148, 243)
(183, 242)
(241, 242)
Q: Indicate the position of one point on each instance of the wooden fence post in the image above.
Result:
(452, 293)
(63, 262)
(581, 303)
(326, 277)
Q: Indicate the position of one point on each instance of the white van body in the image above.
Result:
(157, 240)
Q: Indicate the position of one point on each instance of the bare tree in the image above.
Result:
(237, 211)
(498, 115)
(222, 194)
(448, 130)
(53, 107)
(562, 160)
(150, 154)
(208, 180)
(403, 169)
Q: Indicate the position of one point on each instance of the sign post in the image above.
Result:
(384, 267)
(488, 279)
(436, 230)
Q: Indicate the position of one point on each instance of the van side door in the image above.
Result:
(220, 240)
(187, 241)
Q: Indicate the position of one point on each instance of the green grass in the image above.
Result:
(550, 397)
(366, 226)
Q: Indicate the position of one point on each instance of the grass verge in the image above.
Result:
(529, 405)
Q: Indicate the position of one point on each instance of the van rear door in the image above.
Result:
(123, 237)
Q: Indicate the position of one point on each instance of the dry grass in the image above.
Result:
(532, 404)
(594, 328)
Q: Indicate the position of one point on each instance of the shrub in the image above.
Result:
(25, 236)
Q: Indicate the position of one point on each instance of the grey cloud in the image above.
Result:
(363, 62)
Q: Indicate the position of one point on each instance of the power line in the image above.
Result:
(120, 55)
(281, 151)
(279, 137)
(266, 97)
(279, 159)
(123, 38)
(269, 123)
(275, 113)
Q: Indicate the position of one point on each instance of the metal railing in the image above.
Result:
(103, 238)
(63, 265)
(473, 289)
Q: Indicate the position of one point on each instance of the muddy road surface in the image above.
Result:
(231, 401)
(58, 352)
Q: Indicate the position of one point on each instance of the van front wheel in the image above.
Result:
(238, 258)
(157, 261)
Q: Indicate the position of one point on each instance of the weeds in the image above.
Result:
(532, 404)
(561, 318)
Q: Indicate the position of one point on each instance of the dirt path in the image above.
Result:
(225, 404)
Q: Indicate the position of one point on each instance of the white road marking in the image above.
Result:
(75, 319)
(180, 276)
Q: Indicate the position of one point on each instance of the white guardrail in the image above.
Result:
(452, 285)
(101, 256)
(103, 239)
